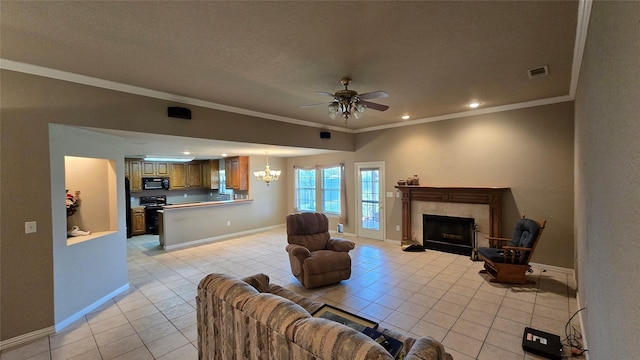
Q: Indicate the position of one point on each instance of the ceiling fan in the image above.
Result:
(348, 102)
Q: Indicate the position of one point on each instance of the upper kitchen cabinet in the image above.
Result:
(152, 168)
(211, 174)
(194, 174)
(177, 176)
(185, 175)
(133, 170)
(237, 172)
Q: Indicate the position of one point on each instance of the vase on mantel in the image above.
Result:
(416, 180)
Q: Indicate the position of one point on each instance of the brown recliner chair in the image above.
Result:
(316, 258)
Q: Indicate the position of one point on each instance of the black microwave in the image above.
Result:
(155, 183)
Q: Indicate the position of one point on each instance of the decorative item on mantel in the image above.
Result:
(411, 180)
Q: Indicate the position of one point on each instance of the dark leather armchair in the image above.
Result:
(316, 258)
(507, 260)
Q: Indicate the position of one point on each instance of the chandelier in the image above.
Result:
(267, 175)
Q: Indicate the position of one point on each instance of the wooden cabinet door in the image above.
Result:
(162, 168)
(148, 168)
(135, 175)
(138, 224)
(243, 173)
(177, 176)
(231, 171)
(194, 175)
(212, 175)
(237, 172)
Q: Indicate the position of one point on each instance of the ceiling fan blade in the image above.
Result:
(325, 93)
(310, 105)
(374, 106)
(373, 95)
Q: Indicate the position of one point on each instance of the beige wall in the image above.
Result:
(607, 185)
(529, 150)
(29, 104)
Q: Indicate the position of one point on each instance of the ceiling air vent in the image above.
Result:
(537, 72)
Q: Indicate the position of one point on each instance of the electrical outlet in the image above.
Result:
(397, 194)
(397, 227)
(30, 227)
(228, 222)
(185, 195)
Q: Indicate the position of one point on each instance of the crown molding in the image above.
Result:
(136, 90)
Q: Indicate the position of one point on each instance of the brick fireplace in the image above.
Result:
(483, 204)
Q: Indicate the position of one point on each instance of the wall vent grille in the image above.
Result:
(537, 72)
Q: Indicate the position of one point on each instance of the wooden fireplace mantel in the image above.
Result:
(466, 195)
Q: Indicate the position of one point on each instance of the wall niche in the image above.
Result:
(95, 209)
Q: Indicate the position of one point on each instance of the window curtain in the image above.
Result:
(343, 196)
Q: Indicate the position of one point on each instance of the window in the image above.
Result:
(306, 190)
(318, 190)
(331, 190)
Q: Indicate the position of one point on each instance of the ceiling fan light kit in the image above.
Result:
(348, 103)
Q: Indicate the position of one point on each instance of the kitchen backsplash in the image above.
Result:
(181, 197)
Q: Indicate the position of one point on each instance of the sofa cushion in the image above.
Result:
(309, 305)
(325, 339)
(227, 288)
(310, 230)
(323, 261)
(259, 281)
(525, 233)
(277, 313)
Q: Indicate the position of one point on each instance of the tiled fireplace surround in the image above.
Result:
(483, 204)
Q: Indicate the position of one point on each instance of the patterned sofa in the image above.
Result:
(252, 319)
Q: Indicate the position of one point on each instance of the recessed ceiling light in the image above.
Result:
(474, 105)
(405, 117)
(187, 152)
(224, 154)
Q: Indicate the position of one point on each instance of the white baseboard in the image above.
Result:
(71, 319)
(552, 268)
(25, 338)
(35, 335)
(219, 238)
(582, 329)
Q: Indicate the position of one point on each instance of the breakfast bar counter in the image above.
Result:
(189, 224)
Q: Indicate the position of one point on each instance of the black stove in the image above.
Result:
(151, 206)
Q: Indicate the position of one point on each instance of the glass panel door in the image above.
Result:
(370, 203)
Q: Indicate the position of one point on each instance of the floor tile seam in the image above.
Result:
(78, 340)
(484, 343)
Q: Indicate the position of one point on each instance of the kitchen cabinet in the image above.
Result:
(194, 174)
(138, 224)
(133, 170)
(177, 176)
(153, 168)
(185, 175)
(211, 174)
(237, 172)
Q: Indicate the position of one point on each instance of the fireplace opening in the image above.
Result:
(449, 234)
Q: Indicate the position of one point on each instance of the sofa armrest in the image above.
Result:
(427, 348)
(342, 245)
(298, 251)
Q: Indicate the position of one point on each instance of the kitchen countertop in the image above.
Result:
(205, 203)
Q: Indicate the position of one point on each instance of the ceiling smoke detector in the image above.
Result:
(537, 72)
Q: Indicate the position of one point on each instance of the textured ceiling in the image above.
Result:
(271, 57)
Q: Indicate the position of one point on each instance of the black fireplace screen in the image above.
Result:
(448, 233)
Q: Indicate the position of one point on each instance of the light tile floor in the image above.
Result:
(418, 294)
